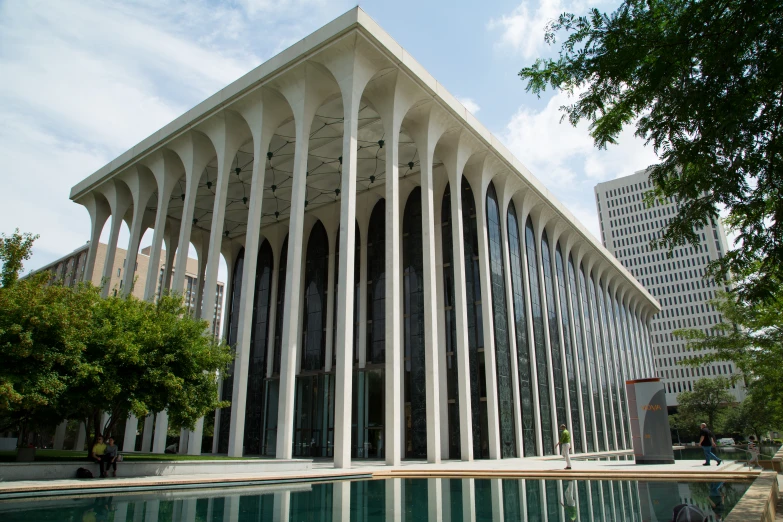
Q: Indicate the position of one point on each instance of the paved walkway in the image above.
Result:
(546, 467)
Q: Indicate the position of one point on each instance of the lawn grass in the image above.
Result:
(48, 455)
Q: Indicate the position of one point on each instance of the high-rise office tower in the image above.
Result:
(678, 282)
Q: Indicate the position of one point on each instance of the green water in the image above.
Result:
(392, 499)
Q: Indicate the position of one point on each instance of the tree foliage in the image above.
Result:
(756, 415)
(147, 358)
(14, 251)
(706, 403)
(702, 81)
(751, 337)
(68, 353)
(43, 333)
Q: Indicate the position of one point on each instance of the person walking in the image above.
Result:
(565, 445)
(707, 442)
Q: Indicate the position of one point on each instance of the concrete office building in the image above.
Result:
(627, 226)
(70, 269)
(480, 313)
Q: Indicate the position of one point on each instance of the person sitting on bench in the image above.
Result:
(96, 453)
(109, 458)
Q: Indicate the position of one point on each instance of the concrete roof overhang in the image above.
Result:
(353, 20)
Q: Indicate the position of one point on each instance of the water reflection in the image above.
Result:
(458, 500)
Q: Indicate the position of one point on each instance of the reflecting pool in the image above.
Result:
(461, 500)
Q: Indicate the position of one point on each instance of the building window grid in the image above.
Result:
(579, 314)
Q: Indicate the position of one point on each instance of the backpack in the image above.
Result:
(83, 473)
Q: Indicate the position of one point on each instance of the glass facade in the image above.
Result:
(413, 333)
(588, 363)
(475, 325)
(622, 355)
(565, 314)
(594, 346)
(539, 341)
(594, 343)
(376, 285)
(259, 336)
(606, 384)
(233, 327)
(581, 362)
(614, 373)
(281, 272)
(524, 362)
(314, 403)
(554, 335)
(500, 321)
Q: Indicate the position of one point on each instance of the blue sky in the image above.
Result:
(84, 81)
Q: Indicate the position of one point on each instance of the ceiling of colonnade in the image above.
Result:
(324, 170)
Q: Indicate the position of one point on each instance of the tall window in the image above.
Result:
(601, 348)
(233, 328)
(413, 300)
(475, 331)
(580, 355)
(376, 285)
(588, 363)
(544, 400)
(259, 336)
(524, 362)
(594, 346)
(314, 319)
(618, 355)
(554, 336)
(281, 271)
(565, 314)
(500, 315)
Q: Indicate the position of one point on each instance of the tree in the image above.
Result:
(754, 416)
(68, 353)
(751, 337)
(702, 81)
(42, 338)
(14, 251)
(147, 357)
(706, 402)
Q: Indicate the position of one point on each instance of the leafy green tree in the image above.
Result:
(756, 415)
(706, 403)
(14, 251)
(751, 337)
(702, 82)
(147, 357)
(42, 338)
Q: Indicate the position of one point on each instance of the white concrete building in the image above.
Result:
(627, 226)
(481, 314)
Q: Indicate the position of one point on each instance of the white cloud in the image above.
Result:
(83, 81)
(522, 30)
(469, 104)
(564, 158)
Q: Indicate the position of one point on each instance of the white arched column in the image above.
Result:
(426, 128)
(167, 170)
(99, 211)
(305, 89)
(263, 116)
(490, 364)
(120, 200)
(393, 96)
(142, 185)
(195, 151)
(455, 155)
(227, 131)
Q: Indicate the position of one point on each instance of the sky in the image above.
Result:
(83, 81)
